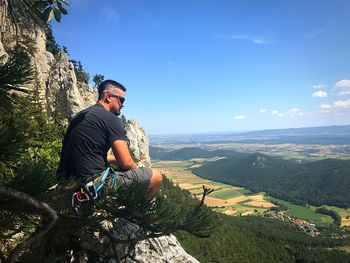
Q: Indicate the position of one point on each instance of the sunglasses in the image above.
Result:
(121, 99)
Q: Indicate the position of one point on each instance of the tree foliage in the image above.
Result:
(81, 74)
(97, 79)
(51, 44)
(40, 12)
(259, 239)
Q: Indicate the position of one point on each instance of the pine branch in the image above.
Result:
(43, 208)
(17, 70)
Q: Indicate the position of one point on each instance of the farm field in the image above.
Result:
(225, 198)
(344, 214)
(233, 200)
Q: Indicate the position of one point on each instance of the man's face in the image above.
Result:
(116, 100)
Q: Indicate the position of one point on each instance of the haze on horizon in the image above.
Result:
(215, 66)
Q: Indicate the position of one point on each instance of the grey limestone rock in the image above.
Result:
(162, 249)
(138, 143)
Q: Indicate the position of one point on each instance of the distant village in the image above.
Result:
(307, 227)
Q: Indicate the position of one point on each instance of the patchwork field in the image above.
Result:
(233, 200)
(227, 199)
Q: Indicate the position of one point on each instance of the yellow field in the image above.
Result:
(345, 217)
(247, 213)
(229, 212)
(215, 202)
(257, 197)
(343, 213)
(236, 200)
(345, 222)
(260, 204)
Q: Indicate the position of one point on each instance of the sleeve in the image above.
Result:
(115, 129)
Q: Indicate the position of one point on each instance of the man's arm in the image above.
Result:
(121, 156)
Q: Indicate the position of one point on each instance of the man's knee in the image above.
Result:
(156, 181)
(157, 177)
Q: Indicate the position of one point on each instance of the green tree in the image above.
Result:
(41, 12)
(81, 74)
(13, 74)
(97, 79)
(51, 44)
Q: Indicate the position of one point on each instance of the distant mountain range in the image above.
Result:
(157, 153)
(319, 182)
(319, 131)
(324, 135)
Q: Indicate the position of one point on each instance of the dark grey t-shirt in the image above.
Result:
(87, 141)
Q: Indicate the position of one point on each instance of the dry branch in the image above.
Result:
(42, 208)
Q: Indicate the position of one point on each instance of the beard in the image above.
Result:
(117, 113)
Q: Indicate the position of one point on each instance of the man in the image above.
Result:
(91, 134)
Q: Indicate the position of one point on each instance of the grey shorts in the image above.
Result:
(142, 175)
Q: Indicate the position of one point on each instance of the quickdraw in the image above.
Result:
(90, 190)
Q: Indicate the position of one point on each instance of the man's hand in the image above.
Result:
(122, 155)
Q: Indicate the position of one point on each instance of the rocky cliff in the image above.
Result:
(54, 75)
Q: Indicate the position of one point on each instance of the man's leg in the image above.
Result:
(155, 183)
(152, 178)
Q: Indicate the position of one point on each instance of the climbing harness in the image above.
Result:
(90, 190)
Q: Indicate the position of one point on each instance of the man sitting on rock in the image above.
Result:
(90, 135)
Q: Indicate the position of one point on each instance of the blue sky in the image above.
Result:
(206, 66)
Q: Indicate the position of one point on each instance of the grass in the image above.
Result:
(343, 213)
(216, 184)
(244, 191)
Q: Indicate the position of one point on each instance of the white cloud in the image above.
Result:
(239, 117)
(342, 104)
(319, 86)
(275, 112)
(294, 111)
(326, 107)
(342, 83)
(259, 41)
(110, 14)
(316, 33)
(254, 40)
(263, 110)
(281, 115)
(319, 94)
(344, 92)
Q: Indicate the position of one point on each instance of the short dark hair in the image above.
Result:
(106, 83)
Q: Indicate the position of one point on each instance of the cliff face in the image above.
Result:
(137, 142)
(55, 76)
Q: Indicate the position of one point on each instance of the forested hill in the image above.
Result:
(317, 183)
(157, 153)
